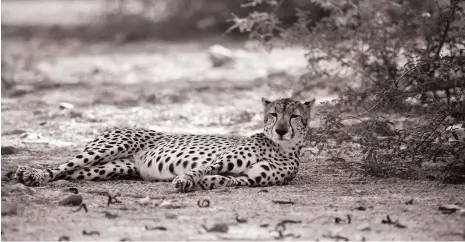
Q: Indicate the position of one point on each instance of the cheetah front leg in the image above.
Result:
(264, 173)
(228, 163)
(188, 181)
(216, 181)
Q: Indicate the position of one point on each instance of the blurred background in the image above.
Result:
(388, 75)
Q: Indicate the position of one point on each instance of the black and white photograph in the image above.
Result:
(232, 120)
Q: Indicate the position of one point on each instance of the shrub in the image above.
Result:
(387, 58)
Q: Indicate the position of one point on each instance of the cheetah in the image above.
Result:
(191, 161)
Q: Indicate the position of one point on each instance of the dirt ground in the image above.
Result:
(66, 93)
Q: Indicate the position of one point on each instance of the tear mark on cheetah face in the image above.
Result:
(286, 120)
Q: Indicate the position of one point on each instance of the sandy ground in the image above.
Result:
(68, 92)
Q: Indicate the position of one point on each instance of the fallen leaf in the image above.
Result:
(90, 233)
(450, 208)
(143, 201)
(217, 228)
(156, 228)
(73, 200)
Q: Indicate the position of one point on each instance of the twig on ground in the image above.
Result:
(90, 233)
(156, 228)
(336, 237)
(396, 223)
(83, 206)
(283, 202)
(113, 199)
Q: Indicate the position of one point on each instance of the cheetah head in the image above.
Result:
(286, 120)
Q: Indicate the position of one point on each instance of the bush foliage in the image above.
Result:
(399, 69)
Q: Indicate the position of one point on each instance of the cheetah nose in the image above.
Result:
(281, 132)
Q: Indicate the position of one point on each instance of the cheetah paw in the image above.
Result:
(30, 176)
(184, 183)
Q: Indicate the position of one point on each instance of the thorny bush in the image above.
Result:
(399, 69)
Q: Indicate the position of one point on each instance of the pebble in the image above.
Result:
(152, 98)
(65, 105)
(9, 208)
(143, 201)
(169, 205)
(73, 200)
(219, 55)
(218, 228)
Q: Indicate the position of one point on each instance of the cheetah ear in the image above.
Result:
(265, 102)
(309, 104)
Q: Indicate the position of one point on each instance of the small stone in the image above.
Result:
(169, 205)
(9, 208)
(152, 98)
(217, 228)
(143, 201)
(65, 105)
(73, 200)
(30, 135)
(9, 150)
(219, 55)
(164, 204)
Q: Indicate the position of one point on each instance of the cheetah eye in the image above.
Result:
(295, 116)
(274, 114)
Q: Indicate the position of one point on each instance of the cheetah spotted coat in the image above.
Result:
(191, 161)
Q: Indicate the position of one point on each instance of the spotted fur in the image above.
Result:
(191, 161)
